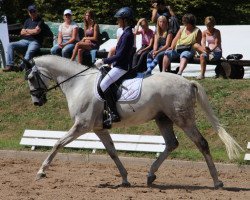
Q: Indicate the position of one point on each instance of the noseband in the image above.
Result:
(42, 89)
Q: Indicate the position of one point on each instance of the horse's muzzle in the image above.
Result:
(38, 101)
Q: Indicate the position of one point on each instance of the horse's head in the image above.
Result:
(37, 84)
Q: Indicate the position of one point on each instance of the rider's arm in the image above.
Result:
(123, 49)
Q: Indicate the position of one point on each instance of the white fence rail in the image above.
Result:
(247, 155)
(122, 142)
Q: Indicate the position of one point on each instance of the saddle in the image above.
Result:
(115, 90)
(115, 86)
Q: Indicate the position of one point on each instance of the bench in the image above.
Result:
(122, 142)
(232, 68)
(229, 68)
(247, 155)
(106, 32)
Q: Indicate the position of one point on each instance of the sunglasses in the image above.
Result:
(68, 15)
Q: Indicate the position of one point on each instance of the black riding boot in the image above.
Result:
(108, 95)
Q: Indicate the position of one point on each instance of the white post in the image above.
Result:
(4, 40)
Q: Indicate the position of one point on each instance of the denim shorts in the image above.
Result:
(172, 54)
(216, 55)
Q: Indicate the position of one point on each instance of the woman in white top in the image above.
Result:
(67, 36)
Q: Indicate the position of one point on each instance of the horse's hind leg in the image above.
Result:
(73, 133)
(166, 128)
(194, 134)
(109, 145)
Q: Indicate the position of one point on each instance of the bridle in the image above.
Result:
(42, 89)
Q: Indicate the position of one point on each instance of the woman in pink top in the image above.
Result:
(90, 40)
(210, 48)
(140, 57)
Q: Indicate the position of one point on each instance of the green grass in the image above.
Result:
(230, 100)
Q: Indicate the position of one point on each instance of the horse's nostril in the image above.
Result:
(38, 103)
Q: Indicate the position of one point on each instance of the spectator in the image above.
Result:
(121, 59)
(162, 40)
(90, 39)
(67, 36)
(182, 45)
(140, 57)
(30, 43)
(212, 51)
(159, 8)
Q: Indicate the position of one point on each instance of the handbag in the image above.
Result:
(181, 48)
(234, 56)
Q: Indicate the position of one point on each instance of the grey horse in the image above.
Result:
(166, 98)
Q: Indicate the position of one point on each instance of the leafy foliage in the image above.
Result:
(225, 12)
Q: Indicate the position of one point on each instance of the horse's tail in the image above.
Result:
(232, 146)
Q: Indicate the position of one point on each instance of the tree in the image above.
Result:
(225, 12)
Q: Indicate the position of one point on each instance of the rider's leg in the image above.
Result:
(113, 75)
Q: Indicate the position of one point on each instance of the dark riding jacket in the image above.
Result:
(124, 49)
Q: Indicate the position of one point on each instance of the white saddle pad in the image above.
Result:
(130, 90)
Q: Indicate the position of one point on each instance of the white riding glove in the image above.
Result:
(99, 63)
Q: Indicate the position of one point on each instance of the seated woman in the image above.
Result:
(90, 39)
(212, 51)
(67, 36)
(183, 44)
(162, 40)
(140, 57)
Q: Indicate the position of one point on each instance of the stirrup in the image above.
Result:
(107, 120)
(115, 117)
(107, 124)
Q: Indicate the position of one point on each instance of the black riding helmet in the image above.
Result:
(125, 12)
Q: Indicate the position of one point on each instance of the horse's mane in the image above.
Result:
(59, 62)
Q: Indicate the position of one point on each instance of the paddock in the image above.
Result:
(76, 176)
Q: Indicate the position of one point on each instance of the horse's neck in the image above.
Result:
(61, 71)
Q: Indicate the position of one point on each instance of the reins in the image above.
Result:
(58, 84)
(53, 87)
(45, 90)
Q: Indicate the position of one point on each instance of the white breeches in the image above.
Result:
(113, 75)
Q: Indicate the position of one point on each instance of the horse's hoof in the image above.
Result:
(151, 179)
(218, 185)
(126, 184)
(40, 176)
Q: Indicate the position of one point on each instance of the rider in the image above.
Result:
(121, 60)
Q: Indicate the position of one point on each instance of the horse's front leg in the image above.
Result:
(109, 145)
(76, 130)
